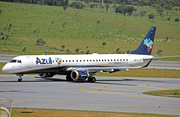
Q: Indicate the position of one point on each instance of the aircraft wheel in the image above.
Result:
(20, 79)
(68, 78)
(92, 79)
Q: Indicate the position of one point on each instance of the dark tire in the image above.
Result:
(19, 80)
(92, 79)
(68, 78)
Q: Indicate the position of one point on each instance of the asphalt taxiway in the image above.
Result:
(117, 94)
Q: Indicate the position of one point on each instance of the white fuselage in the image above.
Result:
(44, 63)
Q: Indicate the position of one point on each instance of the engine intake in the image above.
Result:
(79, 75)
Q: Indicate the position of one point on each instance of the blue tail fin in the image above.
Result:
(146, 45)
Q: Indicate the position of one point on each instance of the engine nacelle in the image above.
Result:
(46, 74)
(79, 75)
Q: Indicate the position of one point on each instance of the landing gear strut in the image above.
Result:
(20, 77)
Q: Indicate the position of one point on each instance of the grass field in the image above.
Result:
(69, 113)
(22, 24)
(165, 93)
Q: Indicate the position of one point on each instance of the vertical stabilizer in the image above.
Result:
(145, 48)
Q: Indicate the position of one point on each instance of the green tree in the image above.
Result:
(114, 7)
(128, 51)
(177, 20)
(77, 50)
(67, 51)
(62, 46)
(102, 8)
(87, 51)
(151, 16)
(104, 43)
(142, 13)
(159, 52)
(40, 41)
(65, 7)
(118, 51)
(92, 6)
(160, 11)
(122, 9)
(107, 7)
(24, 49)
(175, 8)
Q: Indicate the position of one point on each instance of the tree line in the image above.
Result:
(42, 2)
(167, 4)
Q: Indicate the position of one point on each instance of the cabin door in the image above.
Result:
(30, 62)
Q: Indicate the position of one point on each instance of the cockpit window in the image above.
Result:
(12, 61)
(15, 61)
(19, 61)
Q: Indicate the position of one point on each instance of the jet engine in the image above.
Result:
(46, 74)
(79, 75)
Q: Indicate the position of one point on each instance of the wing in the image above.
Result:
(155, 57)
(103, 69)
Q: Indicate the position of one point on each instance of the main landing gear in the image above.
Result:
(91, 79)
(20, 77)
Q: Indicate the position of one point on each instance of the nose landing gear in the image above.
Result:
(20, 77)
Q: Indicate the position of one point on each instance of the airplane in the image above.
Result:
(82, 67)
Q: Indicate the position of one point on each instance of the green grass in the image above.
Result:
(80, 30)
(73, 113)
(166, 93)
(152, 73)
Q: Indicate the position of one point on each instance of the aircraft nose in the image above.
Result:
(6, 69)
